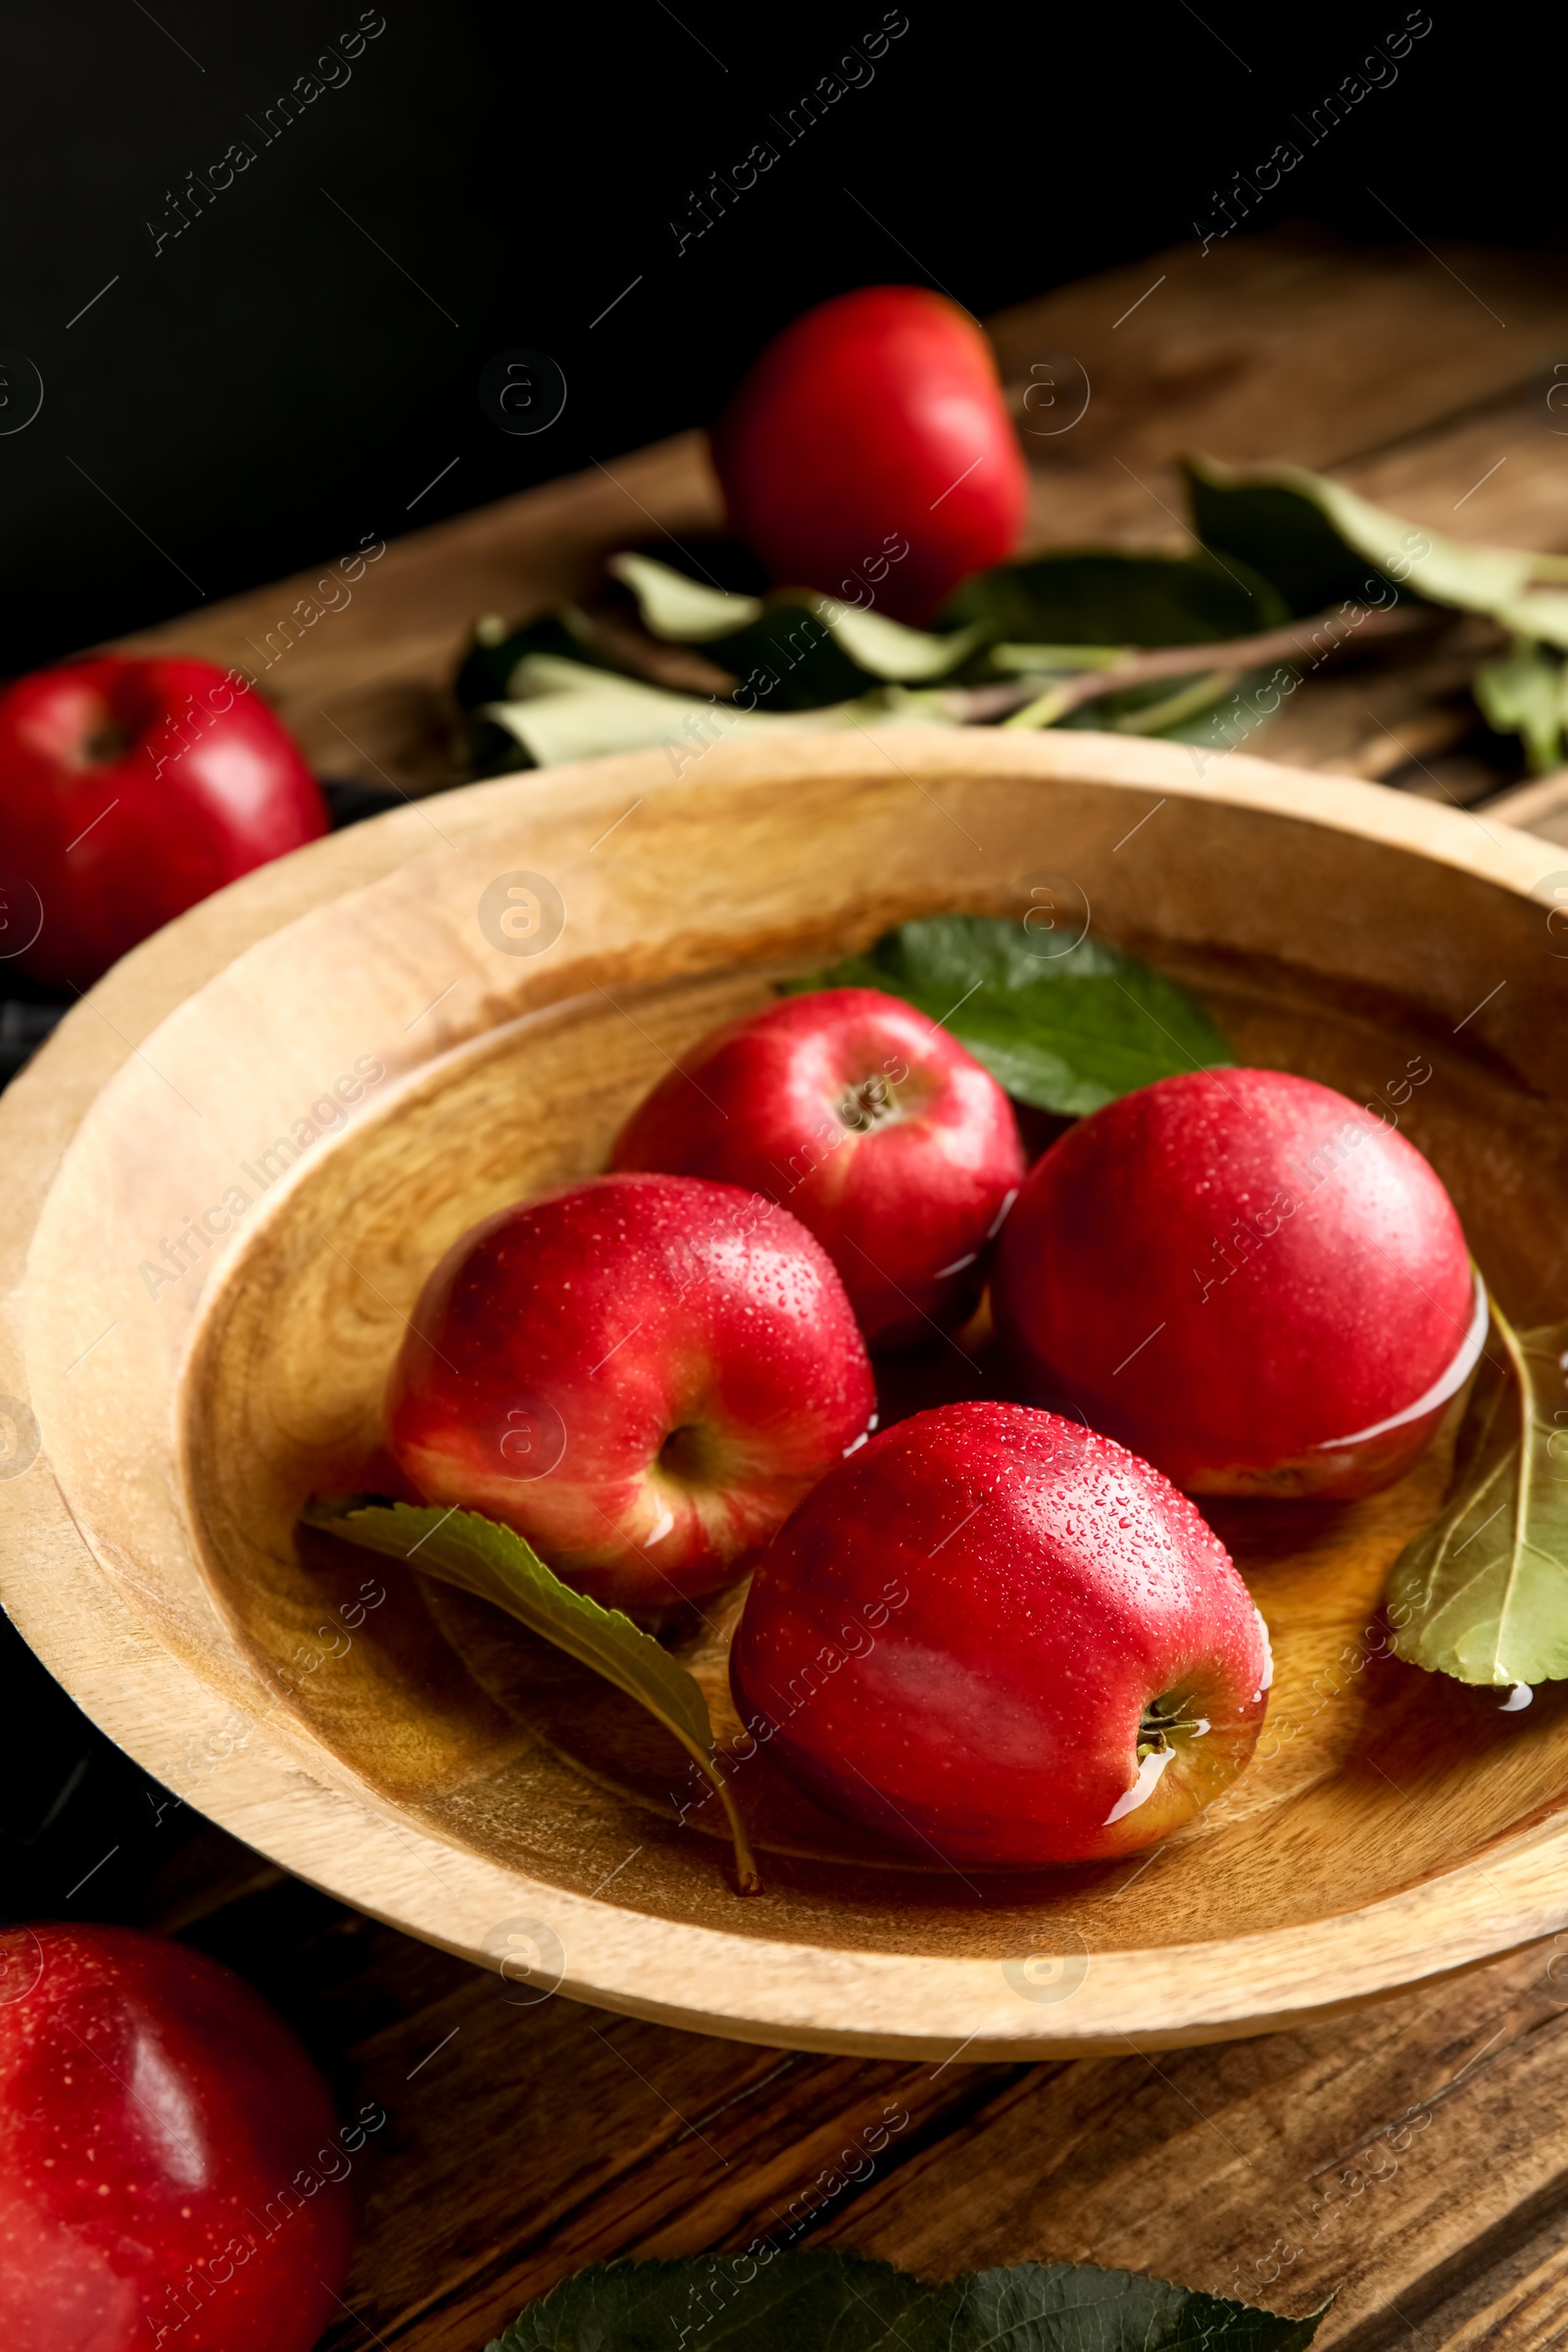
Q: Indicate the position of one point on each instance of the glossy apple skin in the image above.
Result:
(873, 421)
(153, 2111)
(559, 1347)
(1238, 1273)
(872, 1124)
(953, 1641)
(129, 790)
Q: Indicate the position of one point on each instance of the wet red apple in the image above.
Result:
(872, 1124)
(1246, 1278)
(172, 2172)
(642, 1374)
(1000, 1640)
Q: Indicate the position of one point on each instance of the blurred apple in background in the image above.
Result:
(872, 422)
(129, 790)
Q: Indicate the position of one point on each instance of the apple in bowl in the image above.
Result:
(1000, 1642)
(641, 1374)
(1246, 1278)
(872, 1124)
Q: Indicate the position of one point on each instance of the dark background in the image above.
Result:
(281, 379)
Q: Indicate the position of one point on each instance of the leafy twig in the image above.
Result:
(981, 702)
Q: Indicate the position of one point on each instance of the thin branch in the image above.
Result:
(1296, 638)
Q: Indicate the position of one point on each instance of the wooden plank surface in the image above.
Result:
(1412, 2159)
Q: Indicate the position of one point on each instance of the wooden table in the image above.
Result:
(1411, 2158)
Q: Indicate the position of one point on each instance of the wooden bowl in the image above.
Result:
(237, 1160)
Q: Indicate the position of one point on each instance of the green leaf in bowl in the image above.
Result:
(768, 2300)
(1482, 1593)
(1066, 1032)
(481, 1557)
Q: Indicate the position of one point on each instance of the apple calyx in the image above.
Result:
(884, 1096)
(107, 743)
(685, 1456)
(1168, 1721)
(1168, 1728)
(866, 1105)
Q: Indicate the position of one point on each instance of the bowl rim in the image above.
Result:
(288, 1796)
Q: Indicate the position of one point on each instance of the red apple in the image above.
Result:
(1000, 1640)
(129, 790)
(875, 424)
(170, 2169)
(872, 1124)
(643, 1375)
(1248, 1279)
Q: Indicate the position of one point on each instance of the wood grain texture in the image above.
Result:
(1289, 344)
(1336, 928)
(1411, 2158)
(1266, 2155)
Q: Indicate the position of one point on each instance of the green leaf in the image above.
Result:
(1065, 1031)
(1101, 600)
(1086, 610)
(493, 659)
(1526, 694)
(559, 689)
(563, 709)
(684, 610)
(1483, 1594)
(768, 2301)
(1036, 660)
(1321, 544)
(889, 649)
(1152, 708)
(481, 1557)
(814, 648)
